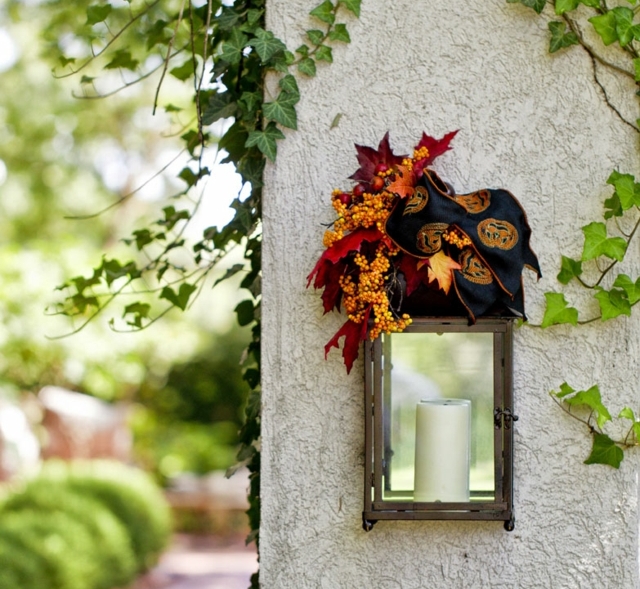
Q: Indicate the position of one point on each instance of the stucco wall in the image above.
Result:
(533, 123)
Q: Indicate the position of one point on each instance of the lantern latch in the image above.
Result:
(503, 416)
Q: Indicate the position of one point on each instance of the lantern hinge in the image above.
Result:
(503, 417)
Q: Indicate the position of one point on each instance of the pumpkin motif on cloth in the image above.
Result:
(473, 269)
(476, 202)
(429, 238)
(497, 233)
(417, 201)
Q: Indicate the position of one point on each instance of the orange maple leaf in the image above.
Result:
(441, 268)
(403, 185)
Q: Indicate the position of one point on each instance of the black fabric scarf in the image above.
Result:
(496, 224)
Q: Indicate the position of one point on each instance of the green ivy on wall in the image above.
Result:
(223, 51)
(606, 242)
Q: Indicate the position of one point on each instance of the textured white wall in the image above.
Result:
(533, 123)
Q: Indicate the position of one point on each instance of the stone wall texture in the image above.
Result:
(530, 122)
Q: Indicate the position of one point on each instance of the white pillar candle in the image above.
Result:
(443, 446)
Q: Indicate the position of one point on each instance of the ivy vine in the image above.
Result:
(606, 242)
(224, 51)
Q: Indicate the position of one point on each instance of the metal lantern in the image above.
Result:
(438, 422)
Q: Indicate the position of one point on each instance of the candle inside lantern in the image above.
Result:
(443, 447)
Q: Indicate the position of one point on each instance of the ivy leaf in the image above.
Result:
(605, 26)
(251, 170)
(315, 36)
(282, 109)
(289, 84)
(441, 268)
(626, 188)
(219, 107)
(627, 413)
(352, 5)
(122, 59)
(570, 269)
(139, 311)
(231, 50)
(559, 37)
(605, 451)
(614, 206)
(537, 5)
(96, 14)
(563, 6)
(266, 44)
(613, 303)
(591, 3)
(558, 310)
(307, 66)
(228, 19)
(324, 12)
(143, 237)
(340, 33)
(592, 399)
(303, 50)
(596, 243)
(265, 140)
(632, 289)
(181, 298)
(636, 66)
(183, 72)
(565, 390)
(324, 53)
(624, 24)
(245, 312)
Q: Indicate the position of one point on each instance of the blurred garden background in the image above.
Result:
(167, 401)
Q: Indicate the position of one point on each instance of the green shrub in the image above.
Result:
(130, 495)
(62, 549)
(114, 553)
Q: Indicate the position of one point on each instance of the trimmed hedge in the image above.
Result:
(87, 525)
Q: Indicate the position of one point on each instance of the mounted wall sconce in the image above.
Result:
(438, 422)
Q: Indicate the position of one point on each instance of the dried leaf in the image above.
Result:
(441, 269)
(403, 184)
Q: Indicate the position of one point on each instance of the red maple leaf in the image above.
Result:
(414, 275)
(342, 248)
(328, 276)
(369, 158)
(353, 334)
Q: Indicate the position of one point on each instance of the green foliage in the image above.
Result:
(110, 543)
(89, 525)
(128, 494)
(605, 450)
(223, 53)
(560, 38)
(602, 251)
(558, 310)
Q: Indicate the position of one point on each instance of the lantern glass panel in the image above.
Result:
(429, 366)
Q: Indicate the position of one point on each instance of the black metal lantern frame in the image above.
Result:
(382, 501)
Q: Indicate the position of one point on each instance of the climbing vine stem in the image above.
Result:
(604, 247)
(224, 50)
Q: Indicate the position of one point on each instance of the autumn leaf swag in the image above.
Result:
(405, 244)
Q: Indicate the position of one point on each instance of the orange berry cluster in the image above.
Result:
(370, 291)
(373, 209)
(456, 238)
(366, 285)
